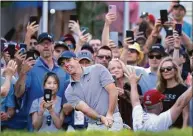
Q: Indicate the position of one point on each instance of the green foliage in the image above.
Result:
(6, 3)
(88, 13)
(172, 132)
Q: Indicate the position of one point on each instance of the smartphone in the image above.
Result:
(130, 33)
(85, 29)
(23, 47)
(32, 54)
(143, 27)
(34, 18)
(115, 37)
(178, 28)
(74, 18)
(114, 77)
(11, 50)
(113, 9)
(163, 16)
(47, 95)
(169, 32)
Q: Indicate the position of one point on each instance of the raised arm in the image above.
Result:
(8, 73)
(109, 18)
(20, 84)
(180, 104)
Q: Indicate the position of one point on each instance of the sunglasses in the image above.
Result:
(155, 56)
(166, 68)
(103, 56)
(132, 50)
(48, 121)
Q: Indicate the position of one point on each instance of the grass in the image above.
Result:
(172, 132)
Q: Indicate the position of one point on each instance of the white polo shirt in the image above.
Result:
(150, 122)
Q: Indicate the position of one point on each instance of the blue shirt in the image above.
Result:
(35, 77)
(187, 29)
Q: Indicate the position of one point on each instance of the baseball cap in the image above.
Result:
(45, 36)
(66, 55)
(61, 44)
(151, 18)
(158, 48)
(152, 97)
(179, 5)
(136, 47)
(69, 37)
(84, 54)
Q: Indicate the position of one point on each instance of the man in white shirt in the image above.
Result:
(151, 119)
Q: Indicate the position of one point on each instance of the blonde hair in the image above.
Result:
(161, 82)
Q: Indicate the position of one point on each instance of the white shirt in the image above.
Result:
(150, 122)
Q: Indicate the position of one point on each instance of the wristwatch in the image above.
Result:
(8, 116)
(98, 120)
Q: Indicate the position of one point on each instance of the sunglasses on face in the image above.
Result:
(166, 68)
(103, 56)
(132, 50)
(155, 56)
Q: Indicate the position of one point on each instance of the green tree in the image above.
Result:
(90, 15)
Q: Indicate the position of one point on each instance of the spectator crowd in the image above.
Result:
(143, 82)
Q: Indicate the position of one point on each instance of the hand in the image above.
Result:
(177, 40)
(31, 29)
(83, 39)
(132, 77)
(174, 2)
(104, 121)
(120, 91)
(157, 28)
(10, 69)
(27, 65)
(74, 27)
(138, 34)
(49, 105)
(169, 41)
(42, 107)
(109, 18)
(170, 24)
(110, 120)
(4, 116)
(19, 57)
(112, 44)
(127, 41)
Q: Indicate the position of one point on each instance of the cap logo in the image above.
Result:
(49, 36)
(155, 47)
(148, 97)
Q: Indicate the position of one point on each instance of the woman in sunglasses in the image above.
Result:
(171, 84)
(46, 112)
(118, 69)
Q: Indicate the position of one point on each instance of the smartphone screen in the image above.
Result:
(34, 18)
(112, 9)
(85, 29)
(163, 16)
(23, 47)
(74, 18)
(169, 32)
(47, 95)
(114, 36)
(130, 33)
(178, 28)
(11, 50)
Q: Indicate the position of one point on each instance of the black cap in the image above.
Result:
(61, 44)
(179, 5)
(158, 48)
(45, 36)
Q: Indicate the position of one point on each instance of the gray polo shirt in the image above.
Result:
(90, 89)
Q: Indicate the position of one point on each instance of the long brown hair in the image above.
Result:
(161, 82)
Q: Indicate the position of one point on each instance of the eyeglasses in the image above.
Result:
(48, 121)
(155, 56)
(166, 68)
(132, 50)
(33, 43)
(103, 56)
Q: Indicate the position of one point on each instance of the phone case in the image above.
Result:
(74, 18)
(34, 18)
(112, 9)
(114, 36)
(47, 95)
(178, 28)
(164, 16)
(11, 50)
